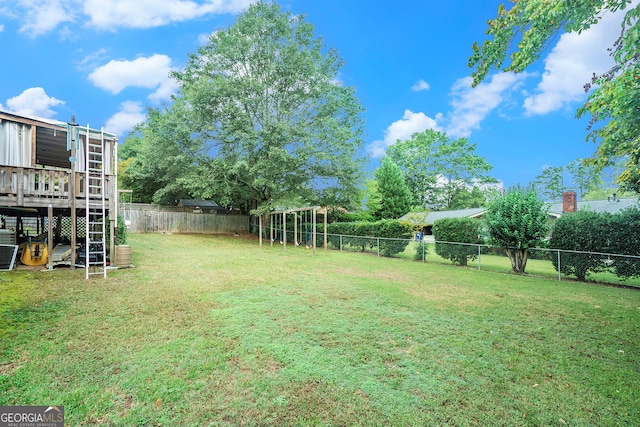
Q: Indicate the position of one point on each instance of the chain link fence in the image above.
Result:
(616, 269)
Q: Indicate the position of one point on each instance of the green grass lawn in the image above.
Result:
(218, 331)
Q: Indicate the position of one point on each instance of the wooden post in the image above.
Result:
(260, 228)
(50, 236)
(72, 196)
(20, 184)
(326, 212)
(33, 147)
(295, 229)
(313, 236)
(284, 230)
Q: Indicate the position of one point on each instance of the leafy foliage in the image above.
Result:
(550, 183)
(392, 196)
(624, 234)
(585, 176)
(165, 162)
(531, 25)
(582, 231)
(436, 168)
(263, 121)
(586, 231)
(517, 221)
(394, 236)
(459, 230)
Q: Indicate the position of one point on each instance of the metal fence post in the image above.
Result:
(422, 243)
(378, 247)
(341, 243)
(559, 269)
(478, 257)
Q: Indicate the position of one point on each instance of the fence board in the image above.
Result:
(160, 221)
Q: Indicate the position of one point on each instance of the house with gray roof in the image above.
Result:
(568, 204)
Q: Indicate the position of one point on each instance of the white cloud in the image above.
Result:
(203, 38)
(154, 13)
(403, 129)
(571, 63)
(131, 113)
(420, 85)
(93, 59)
(472, 105)
(1, 28)
(34, 102)
(166, 88)
(149, 73)
(42, 16)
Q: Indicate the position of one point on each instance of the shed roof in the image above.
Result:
(203, 204)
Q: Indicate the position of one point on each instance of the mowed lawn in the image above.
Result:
(210, 330)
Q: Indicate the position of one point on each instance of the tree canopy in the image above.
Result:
(437, 168)
(267, 122)
(517, 221)
(550, 183)
(394, 198)
(524, 31)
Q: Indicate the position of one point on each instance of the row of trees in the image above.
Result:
(584, 177)
(429, 171)
(262, 121)
(581, 175)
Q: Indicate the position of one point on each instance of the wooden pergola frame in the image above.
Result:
(284, 213)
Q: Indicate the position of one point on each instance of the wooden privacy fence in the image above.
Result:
(147, 219)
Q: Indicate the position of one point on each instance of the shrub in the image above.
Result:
(392, 231)
(389, 229)
(583, 231)
(459, 230)
(624, 238)
(517, 221)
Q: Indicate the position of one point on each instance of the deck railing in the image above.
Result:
(21, 182)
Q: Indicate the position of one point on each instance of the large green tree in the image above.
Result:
(522, 32)
(269, 122)
(161, 162)
(517, 221)
(437, 167)
(393, 195)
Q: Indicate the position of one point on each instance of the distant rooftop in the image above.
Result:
(202, 204)
(612, 205)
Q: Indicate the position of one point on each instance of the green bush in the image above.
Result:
(121, 231)
(624, 238)
(392, 231)
(459, 230)
(583, 231)
(385, 229)
(120, 236)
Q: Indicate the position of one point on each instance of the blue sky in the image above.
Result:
(105, 61)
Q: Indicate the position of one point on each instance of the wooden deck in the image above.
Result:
(41, 187)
